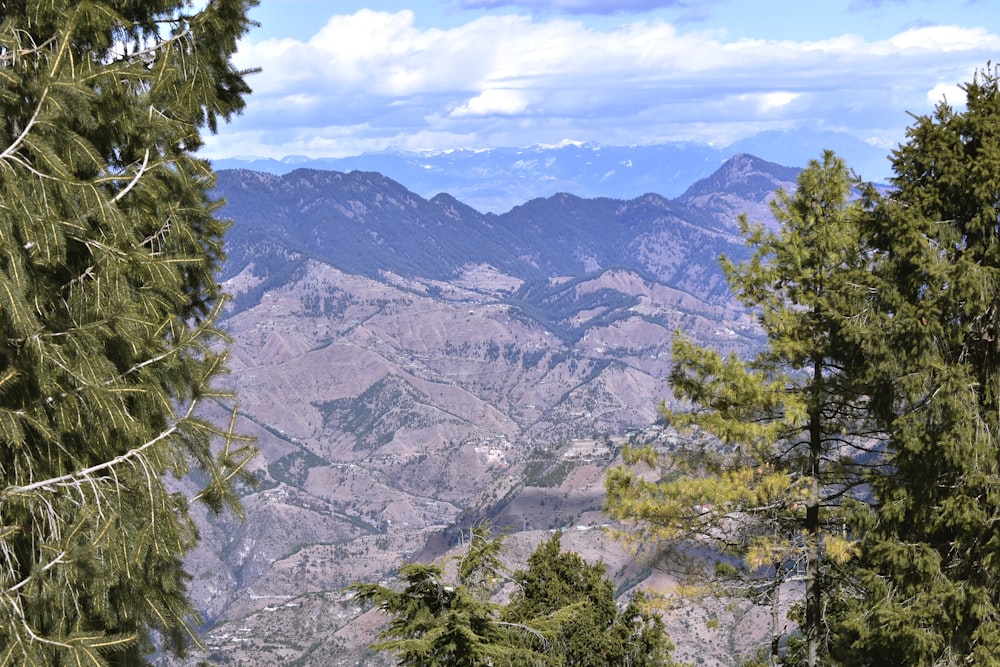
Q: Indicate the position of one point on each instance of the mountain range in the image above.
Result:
(411, 367)
(495, 180)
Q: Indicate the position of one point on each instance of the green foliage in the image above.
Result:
(563, 613)
(779, 434)
(293, 468)
(435, 623)
(108, 255)
(571, 602)
(546, 474)
(929, 581)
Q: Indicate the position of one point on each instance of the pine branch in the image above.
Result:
(135, 180)
(16, 144)
(73, 479)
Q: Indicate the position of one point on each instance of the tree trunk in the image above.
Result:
(813, 589)
(775, 617)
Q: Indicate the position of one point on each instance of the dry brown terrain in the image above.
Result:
(394, 412)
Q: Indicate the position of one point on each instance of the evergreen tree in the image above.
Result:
(786, 431)
(562, 613)
(572, 603)
(930, 569)
(434, 623)
(108, 255)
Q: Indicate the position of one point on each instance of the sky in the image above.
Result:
(344, 77)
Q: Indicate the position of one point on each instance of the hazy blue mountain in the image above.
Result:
(368, 224)
(797, 147)
(498, 179)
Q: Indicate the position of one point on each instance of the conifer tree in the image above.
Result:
(562, 613)
(930, 568)
(108, 255)
(434, 622)
(572, 604)
(784, 432)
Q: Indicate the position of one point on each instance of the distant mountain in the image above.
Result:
(498, 179)
(797, 147)
(412, 366)
(743, 185)
(368, 224)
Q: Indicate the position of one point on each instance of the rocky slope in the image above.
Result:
(410, 367)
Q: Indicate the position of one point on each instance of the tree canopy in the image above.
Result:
(107, 302)
(572, 603)
(562, 613)
(928, 589)
(785, 427)
(864, 440)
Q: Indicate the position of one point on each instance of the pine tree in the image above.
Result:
(782, 434)
(562, 612)
(572, 604)
(930, 577)
(108, 255)
(437, 623)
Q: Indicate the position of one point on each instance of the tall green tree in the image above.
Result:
(434, 622)
(930, 569)
(108, 255)
(572, 603)
(562, 613)
(785, 430)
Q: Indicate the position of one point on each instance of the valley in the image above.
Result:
(412, 367)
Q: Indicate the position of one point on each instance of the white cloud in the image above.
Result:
(500, 102)
(372, 79)
(575, 6)
(768, 102)
(946, 92)
(944, 38)
(880, 142)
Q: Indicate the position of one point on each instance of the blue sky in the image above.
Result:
(342, 77)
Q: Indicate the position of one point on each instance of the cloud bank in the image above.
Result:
(575, 6)
(372, 79)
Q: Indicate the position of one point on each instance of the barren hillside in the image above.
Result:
(457, 367)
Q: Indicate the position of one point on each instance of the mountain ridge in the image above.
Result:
(497, 179)
(411, 367)
(317, 214)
